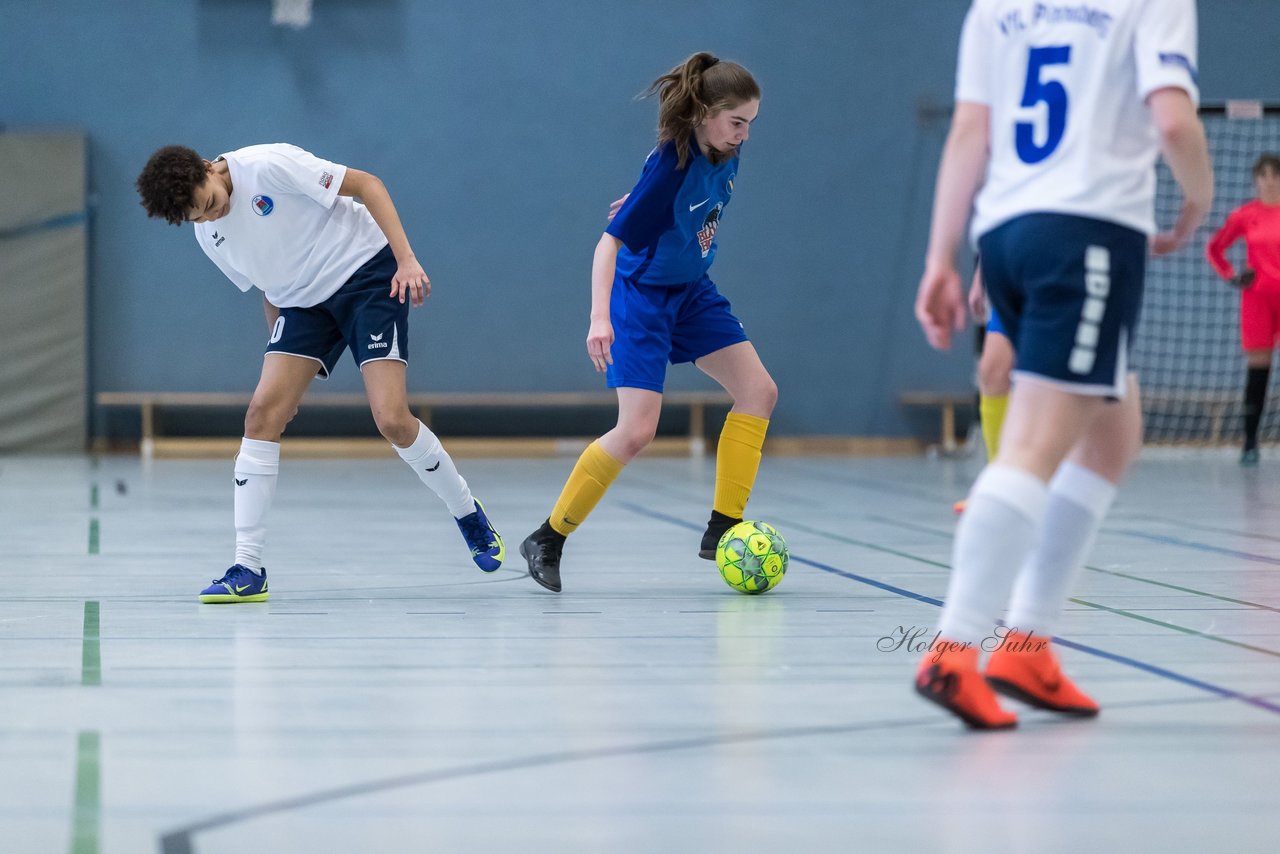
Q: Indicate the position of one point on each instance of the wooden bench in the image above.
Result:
(946, 402)
(424, 405)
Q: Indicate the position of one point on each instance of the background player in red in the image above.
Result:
(1258, 222)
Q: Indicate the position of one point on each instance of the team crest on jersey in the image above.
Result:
(262, 205)
(707, 234)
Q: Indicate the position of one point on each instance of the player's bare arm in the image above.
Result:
(600, 334)
(1183, 144)
(939, 302)
(410, 277)
(978, 298)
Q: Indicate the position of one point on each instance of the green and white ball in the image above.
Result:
(752, 557)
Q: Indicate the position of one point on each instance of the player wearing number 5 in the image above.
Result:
(1064, 109)
(334, 274)
(1258, 222)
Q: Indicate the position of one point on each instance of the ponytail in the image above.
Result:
(698, 87)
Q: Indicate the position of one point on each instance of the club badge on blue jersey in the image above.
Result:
(262, 205)
(707, 234)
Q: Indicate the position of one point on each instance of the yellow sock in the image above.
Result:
(591, 476)
(737, 461)
(992, 410)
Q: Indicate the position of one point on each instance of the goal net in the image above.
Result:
(1188, 352)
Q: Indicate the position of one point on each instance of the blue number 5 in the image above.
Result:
(1053, 94)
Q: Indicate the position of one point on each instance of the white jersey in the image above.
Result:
(1067, 82)
(288, 232)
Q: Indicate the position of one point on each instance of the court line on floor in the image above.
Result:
(1166, 540)
(91, 647)
(885, 486)
(924, 529)
(1182, 523)
(87, 807)
(180, 841)
(93, 517)
(909, 594)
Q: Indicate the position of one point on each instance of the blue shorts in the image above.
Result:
(654, 324)
(362, 315)
(1068, 290)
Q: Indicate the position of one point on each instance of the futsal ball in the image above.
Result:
(752, 557)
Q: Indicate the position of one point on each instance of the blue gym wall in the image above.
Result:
(503, 130)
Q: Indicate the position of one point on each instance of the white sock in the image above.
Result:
(256, 470)
(998, 530)
(1078, 501)
(434, 467)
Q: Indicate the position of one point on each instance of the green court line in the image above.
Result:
(93, 496)
(927, 530)
(1116, 611)
(93, 536)
(85, 818)
(1177, 628)
(90, 654)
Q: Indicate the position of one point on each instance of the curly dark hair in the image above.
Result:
(168, 182)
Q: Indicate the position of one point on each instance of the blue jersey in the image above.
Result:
(668, 225)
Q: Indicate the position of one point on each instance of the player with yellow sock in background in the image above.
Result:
(995, 366)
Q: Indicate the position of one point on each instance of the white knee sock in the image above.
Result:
(1001, 520)
(256, 469)
(1078, 501)
(434, 467)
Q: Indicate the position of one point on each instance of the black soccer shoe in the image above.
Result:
(716, 527)
(542, 550)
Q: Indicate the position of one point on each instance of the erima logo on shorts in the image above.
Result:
(262, 205)
(378, 343)
(1097, 285)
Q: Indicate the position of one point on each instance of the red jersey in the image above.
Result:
(1259, 225)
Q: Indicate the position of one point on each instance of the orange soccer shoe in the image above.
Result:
(951, 679)
(1025, 669)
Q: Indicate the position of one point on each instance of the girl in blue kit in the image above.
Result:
(653, 303)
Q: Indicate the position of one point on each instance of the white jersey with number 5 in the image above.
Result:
(1067, 83)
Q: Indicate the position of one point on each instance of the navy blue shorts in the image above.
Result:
(362, 315)
(1068, 290)
(656, 324)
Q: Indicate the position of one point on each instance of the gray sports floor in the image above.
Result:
(392, 698)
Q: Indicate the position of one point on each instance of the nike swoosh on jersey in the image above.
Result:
(693, 208)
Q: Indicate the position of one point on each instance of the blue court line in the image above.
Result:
(51, 224)
(1154, 670)
(1192, 544)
